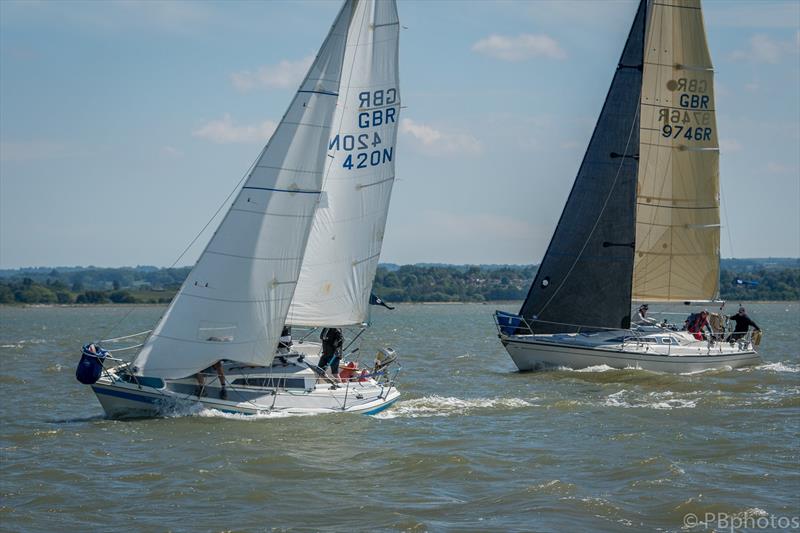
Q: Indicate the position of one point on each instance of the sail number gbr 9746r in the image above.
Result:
(366, 148)
(691, 121)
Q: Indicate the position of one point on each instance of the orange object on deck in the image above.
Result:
(348, 371)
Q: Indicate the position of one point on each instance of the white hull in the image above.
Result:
(534, 352)
(290, 388)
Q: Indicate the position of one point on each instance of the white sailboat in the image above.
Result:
(302, 239)
(642, 220)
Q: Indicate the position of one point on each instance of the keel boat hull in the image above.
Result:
(541, 351)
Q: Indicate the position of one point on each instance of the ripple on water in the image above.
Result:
(22, 343)
(491, 449)
(776, 367)
(5, 379)
(652, 400)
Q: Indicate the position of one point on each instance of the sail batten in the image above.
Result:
(677, 218)
(345, 243)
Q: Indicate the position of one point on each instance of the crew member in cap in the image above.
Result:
(743, 323)
(641, 316)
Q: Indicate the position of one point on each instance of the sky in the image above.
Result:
(124, 125)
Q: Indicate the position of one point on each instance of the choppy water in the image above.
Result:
(471, 446)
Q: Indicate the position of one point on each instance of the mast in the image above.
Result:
(234, 302)
(345, 243)
(585, 276)
(677, 219)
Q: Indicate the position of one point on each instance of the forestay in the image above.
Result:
(234, 301)
(677, 219)
(345, 243)
(585, 275)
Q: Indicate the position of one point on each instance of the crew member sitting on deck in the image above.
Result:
(697, 322)
(743, 323)
(641, 317)
(201, 380)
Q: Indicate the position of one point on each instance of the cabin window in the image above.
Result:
(286, 383)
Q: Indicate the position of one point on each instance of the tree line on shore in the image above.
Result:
(407, 283)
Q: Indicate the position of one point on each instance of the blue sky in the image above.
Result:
(124, 125)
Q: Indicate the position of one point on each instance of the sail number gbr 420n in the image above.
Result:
(376, 109)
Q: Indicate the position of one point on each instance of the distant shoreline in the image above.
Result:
(494, 302)
(742, 280)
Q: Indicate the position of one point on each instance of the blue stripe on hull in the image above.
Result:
(381, 407)
(126, 395)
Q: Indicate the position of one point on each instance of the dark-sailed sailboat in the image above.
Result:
(641, 222)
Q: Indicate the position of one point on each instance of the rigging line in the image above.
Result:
(531, 294)
(126, 336)
(238, 184)
(727, 225)
(599, 216)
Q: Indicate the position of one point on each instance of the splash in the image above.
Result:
(214, 413)
(596, 368)
(435, 405)
(654, 400)
(779, 367)
(724, 368)
(193, 409)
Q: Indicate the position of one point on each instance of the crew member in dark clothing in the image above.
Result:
(743, 323)
(332, 341)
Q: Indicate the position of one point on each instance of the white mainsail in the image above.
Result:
(234, 302)
(345, 243)
(677, 219)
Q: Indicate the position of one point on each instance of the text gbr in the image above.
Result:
(376, 109)
(690, 120)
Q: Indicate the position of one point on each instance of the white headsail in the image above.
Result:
(234, 302)
(677, 219)
(345, 243)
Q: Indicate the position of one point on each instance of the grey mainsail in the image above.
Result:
(585, 276)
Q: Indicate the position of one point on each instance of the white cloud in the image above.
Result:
(730, 145)
(763, 49)
(760, 14)
(436, 142)
(35, 151)
(284, 75)
(778, 168)
(224, 131)
(569, 144)
(171, 151)
(472, 238)
(519, 48)
(170, 15)
(164, 15)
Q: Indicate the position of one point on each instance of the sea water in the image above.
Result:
(472, 445)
